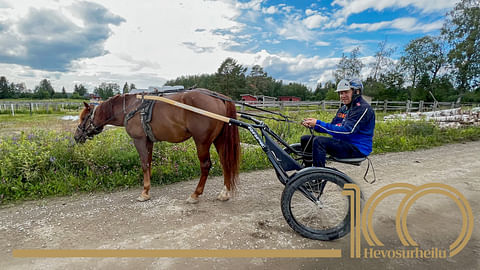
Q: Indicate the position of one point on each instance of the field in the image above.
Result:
(39, 158)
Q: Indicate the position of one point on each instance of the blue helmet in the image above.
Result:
(356, 84)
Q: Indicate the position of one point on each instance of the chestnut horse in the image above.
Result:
(172, 124)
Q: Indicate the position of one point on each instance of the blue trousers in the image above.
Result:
(320, 146)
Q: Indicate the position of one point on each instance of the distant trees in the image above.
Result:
(43, 90)
(231, 80)
(106, 90)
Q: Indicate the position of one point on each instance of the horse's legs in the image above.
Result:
(144, 148)
(225, 194)
(203, 152)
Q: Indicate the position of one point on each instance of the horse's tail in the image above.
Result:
(230, 139)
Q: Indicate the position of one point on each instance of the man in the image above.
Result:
(351, 128)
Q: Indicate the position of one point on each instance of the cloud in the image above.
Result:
(198, 49)
(47, 39)
(407, 24)
(270, 10)
(95, 14)
(315, 21)
(358, 6)
(322, 43)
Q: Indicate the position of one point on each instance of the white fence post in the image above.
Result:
(13, 111)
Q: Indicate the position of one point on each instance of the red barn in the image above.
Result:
(248, 98)
(289, 98)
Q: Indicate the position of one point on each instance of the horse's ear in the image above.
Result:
(86, 105)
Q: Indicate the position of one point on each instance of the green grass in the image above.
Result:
(42, 162)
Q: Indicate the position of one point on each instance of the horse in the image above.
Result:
(175, 125)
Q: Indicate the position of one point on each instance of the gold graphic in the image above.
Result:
(412, 194)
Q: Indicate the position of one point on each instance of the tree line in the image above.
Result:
(232, 80)
(44, 90)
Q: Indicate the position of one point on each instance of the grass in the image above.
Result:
(45, 161)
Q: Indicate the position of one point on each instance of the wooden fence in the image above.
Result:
(12, 107)
(385, 106)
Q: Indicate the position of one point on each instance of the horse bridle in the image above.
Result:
(90, 130)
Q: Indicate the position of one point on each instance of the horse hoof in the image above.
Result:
(192, 200)
(223, 197)
(143, 198)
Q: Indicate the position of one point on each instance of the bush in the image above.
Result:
(38, 164)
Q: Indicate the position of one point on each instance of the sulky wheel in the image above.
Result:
(314, 207)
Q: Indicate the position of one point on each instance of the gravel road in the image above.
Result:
(251, 220)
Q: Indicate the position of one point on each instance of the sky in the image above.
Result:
(148, 42)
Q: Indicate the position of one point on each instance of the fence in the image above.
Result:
(385, 106)
(12, 107)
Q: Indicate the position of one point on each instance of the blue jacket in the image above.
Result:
(354, 124)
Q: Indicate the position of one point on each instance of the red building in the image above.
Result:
(289, 98)
(248, 98)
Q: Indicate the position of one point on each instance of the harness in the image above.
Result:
(146, 109)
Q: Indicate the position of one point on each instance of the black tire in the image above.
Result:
(326, 220)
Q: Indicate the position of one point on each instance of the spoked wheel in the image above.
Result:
(314, 207)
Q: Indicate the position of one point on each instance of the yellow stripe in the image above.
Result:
(187, 107)
(179, 253)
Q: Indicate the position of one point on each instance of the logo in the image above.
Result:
(363, 223)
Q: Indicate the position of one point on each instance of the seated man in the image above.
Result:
(351, 128)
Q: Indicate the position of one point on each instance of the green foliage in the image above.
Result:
(38, 164)
(44, 90)
(106, 90)
(462, 30)
(79, 91)
(349, 67)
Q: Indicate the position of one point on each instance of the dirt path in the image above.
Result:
(252, 220)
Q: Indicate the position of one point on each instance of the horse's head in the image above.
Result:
(87, 128)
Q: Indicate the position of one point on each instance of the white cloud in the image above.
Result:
(309, 12)
(407, 24)
(315, 21)
(322, 43)
(358, 6)
(270, 10)
(253, 5)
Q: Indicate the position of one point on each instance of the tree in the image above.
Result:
(349, 67)
(64, 93)
(383, 62)
(230, 77)
(125, 88)
(106, 90)
(423, 58)
(44, 90)
(462, 30)
(413, 59)
(132, 86)
(80, 90)
(320, 92)
(5, 89)
(258, 81)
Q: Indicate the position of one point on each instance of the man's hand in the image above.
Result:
(309, 122)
